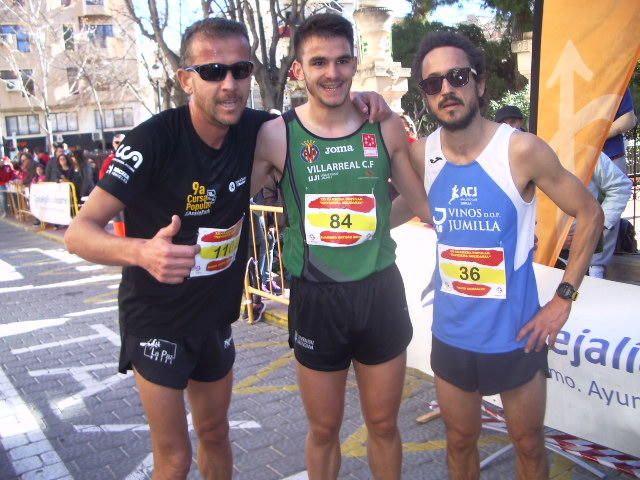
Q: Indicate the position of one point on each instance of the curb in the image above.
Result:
(29, 228)
(276, 319)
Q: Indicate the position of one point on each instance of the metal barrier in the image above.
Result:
(17, 201)
(249, 290)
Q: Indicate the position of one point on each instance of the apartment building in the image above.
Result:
(76, 60)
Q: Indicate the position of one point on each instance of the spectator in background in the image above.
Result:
(410, 128)
(40, 176)
(612, 189)
(117, 140)
(27, 169)
(624, 120)
(511, 115)
(43, 157)
(7, 174)
(51, 170)
(83, 174)
(65, 169)
(265, 236)
(118, 220)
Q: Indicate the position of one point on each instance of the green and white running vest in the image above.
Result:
(336, 193)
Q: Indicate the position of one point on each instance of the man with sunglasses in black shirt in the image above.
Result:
(182, 179)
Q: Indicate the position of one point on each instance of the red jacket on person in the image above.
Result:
(105, 164)
(6, 174)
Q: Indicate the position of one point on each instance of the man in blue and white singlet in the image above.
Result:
(489, 331)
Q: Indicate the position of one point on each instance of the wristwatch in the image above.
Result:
(567, 291)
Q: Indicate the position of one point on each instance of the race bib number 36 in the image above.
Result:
(218, 248)
(473, 272)
(337, 220)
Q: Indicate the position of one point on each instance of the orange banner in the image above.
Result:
(587, 52)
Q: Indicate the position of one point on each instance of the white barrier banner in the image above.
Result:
(51, 202)
(594, 389)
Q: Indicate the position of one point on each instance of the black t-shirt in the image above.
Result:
(161, 169)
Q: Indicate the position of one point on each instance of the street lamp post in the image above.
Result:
(155, 73)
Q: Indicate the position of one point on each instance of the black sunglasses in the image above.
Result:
(457, 77)
(216, 72)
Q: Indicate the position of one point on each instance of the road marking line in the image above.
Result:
(17, 328)
(89, 268)
(103, 332)
(70, 283)
(144, 427)
(93, 311)
(82, 375)
(59, 254)
(18, 419)
(298, 476)
(8, 272)
(145, 468)
(60, 343)
(251, 380)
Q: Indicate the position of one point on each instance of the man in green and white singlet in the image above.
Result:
(347, 297)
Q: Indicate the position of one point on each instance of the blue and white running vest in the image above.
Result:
(485, 285)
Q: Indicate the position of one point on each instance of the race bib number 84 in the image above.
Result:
(473, 272)
(337, 220)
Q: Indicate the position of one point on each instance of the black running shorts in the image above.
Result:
(332, 323)
(487, 373)
(172, 362)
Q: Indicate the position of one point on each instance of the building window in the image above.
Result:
(8, 75)
(67, 35)
(22, 125)
(27, 81)
(25, 75)
(22, 37)
(65, 3)
(116, 118)
(64, 122)
(94, 2)
(99, 34)
(73, 80)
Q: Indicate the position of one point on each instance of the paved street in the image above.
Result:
(66, 413)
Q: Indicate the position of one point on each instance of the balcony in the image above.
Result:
(94, 8)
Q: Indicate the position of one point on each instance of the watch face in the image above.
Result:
(566, 291)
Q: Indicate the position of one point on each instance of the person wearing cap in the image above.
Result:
(511, 115)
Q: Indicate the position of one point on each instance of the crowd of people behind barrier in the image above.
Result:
(64, 164)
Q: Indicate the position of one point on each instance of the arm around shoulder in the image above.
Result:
(270, 153)
(405, 174)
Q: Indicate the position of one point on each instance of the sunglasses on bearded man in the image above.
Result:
(216, 72)
(457, 77)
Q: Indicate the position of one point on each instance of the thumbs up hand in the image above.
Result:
(168, 263)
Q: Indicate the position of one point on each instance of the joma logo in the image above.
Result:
(338, 149)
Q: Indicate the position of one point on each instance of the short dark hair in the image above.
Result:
(439, 39)
(212, 28)
(325, 25)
